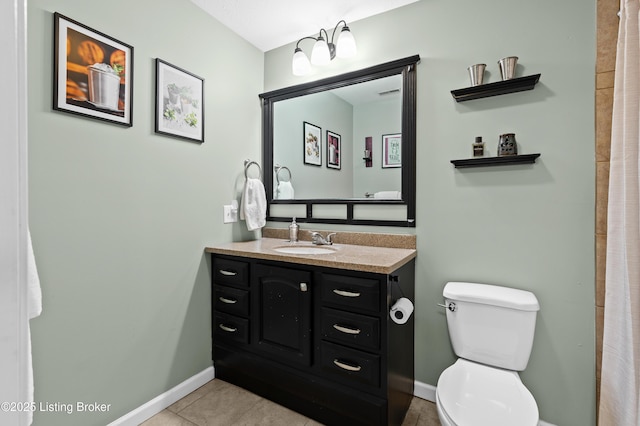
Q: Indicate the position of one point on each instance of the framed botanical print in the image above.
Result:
(392, 150)
(179, 102)
(312, 142)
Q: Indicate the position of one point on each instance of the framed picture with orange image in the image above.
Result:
(93, 73)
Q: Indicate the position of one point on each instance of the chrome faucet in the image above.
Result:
(318, 239)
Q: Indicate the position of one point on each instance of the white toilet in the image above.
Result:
(491, 330)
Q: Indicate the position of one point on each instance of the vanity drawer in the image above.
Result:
(352, 329)
(351, 292)
(231, 300)
(230, 328)
(350, 365)
(230, 272)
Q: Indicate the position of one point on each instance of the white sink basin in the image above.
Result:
(305, 249)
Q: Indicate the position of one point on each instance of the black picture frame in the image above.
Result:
(92, 73)
(179, 102)
(311, 144)
(334, 150)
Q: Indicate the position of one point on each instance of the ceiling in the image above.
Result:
(268, 24)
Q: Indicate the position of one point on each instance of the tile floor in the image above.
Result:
(221, 403)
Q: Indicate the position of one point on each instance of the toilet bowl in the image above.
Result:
(469, 393)
(491, 330)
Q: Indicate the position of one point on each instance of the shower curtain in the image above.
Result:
(620, 376)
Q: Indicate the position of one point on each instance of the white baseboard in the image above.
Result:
(424, 391)
(160, 402)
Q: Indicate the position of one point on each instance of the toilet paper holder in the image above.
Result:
(451, 306)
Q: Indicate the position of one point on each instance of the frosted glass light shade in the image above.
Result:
(300, 64)
(346, 46)
(320, 53)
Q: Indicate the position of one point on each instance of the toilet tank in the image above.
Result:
(491, 324)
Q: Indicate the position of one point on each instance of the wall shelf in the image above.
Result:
(494, 89)
(496, 161)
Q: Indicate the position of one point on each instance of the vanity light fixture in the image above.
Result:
(323, 52)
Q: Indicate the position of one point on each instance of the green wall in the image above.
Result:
(120, 216)
(529, 227)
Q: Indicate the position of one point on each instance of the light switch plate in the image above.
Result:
(230, 214)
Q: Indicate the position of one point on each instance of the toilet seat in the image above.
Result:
(469, 394)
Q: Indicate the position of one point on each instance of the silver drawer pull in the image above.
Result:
(346, 366)
(228, 273)
(346, 329)
(225, 300)
(229, 329)
(345, 293)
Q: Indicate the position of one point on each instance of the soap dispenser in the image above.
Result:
(293, 231)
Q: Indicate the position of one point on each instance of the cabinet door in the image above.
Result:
(282, 313)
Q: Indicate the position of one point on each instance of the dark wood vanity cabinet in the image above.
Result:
(315, 339)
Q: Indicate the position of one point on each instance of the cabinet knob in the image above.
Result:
(346, 366)
(347, 330)
(303, 287)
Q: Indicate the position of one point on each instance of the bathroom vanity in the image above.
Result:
(312, 332)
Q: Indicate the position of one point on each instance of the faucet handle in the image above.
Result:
(330, 236)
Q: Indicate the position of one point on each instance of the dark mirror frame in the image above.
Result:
(405, 67)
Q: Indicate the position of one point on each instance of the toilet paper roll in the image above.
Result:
(401, 310)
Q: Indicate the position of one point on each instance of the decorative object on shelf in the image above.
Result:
(494, 89)
(93, 73)
(179, 102)
(334, 150)
(392, 150)
(508, 67)
(476, 73)
(495, 161)
(368, 153)
(478, 147)
(324, 51)
(507, 145)
(312, 141)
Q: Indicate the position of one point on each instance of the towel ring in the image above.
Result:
(279, 168)
(249, 163)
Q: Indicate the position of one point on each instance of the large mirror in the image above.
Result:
(342, 149)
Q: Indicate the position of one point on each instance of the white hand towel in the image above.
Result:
(34, 308)
(254, 204)
(393, 195)
(285, 191)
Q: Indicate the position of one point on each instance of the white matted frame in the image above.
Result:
(93, 73)
(334, 150)
(179, 102)
(312, 144)
(392, 150)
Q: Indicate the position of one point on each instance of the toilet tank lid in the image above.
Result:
(489, 294)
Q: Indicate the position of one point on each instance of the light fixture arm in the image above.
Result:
(304, 38)
(343, 22)
(301, 65)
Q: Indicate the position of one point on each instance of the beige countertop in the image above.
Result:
(344, 256)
